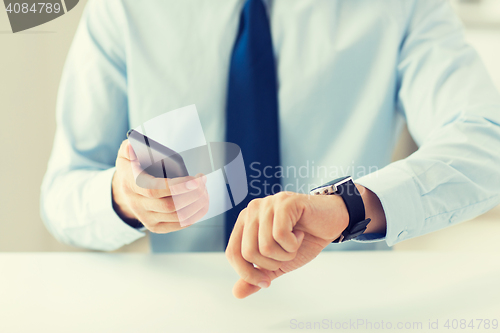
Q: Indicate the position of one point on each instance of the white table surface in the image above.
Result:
(92, 292)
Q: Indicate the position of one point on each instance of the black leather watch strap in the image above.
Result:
(353, 231)
(356, 209)
(353, 201)
(346, 189)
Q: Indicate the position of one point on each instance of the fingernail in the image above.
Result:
(192, 184)
(263, 284)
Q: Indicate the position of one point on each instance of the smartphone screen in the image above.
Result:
(156, 159)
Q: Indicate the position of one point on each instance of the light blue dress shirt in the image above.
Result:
(350, 72)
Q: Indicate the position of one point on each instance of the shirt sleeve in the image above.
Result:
(92, 121)
(453, 112)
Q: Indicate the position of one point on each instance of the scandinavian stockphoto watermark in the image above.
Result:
(26, 14)
(300, 178)
(173, 146)
(462, 324)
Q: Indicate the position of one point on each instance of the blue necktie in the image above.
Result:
(252, 105)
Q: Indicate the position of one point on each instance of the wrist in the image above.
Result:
(325, 216)
(120, 206)
(342, 214)
(373, 211)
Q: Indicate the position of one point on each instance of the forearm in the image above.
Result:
(92, 121)
(453, 178)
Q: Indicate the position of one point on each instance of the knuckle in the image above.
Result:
(198, 194)
(168, 205)
(266, 249)
(242, 215)
(201, 184)
(254, 204)
(281, 195)
(290, 256)
(175, 187)
(159, 184)
(182, 217)
(120, 163)
(246, 276)
(285, 198)
(150, 193)
(247, 254)
(202, 191)
(289, 202)
(178, 186)
(274, 266)
(279, 234)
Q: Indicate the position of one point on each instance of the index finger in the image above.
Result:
(152, 187)
(245, 269)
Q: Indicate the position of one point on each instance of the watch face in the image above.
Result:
(330, 187)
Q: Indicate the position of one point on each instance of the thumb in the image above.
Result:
(300, 237)
(244, 289)
(131, 152)
(126, 151)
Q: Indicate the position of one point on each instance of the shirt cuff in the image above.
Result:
(111, 227)
(369, 238)
(401, 201)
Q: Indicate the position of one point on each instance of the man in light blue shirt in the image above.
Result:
(349, 73)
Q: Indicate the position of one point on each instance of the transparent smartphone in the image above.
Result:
(156, 159)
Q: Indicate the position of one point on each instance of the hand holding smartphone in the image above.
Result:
(164, 198)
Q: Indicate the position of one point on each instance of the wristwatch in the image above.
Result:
(345, 188)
